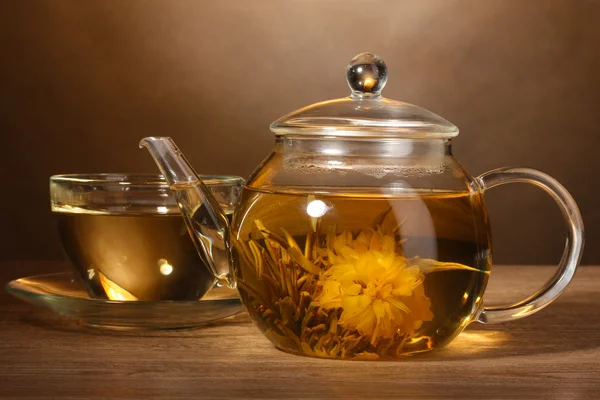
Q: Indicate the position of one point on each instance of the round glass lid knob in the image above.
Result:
(366, 75)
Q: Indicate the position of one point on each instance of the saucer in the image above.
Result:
(63, 294)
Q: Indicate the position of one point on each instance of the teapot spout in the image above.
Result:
(205, 219)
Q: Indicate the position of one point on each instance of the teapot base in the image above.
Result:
(361, 357)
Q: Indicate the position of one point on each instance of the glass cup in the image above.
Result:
(126, 238)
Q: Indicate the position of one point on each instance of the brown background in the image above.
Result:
(82, 81)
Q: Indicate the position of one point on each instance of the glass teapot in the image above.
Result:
(361, 236)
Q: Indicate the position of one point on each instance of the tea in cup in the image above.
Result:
(126, 238)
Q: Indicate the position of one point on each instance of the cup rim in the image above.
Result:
(138, 178)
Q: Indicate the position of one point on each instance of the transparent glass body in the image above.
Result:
(361, 236)
(361, 248)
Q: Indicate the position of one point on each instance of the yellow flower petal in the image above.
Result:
(363, 301)
(353, 290)
(398, 304)
(388, 245)
(375, 244)
(378, 309)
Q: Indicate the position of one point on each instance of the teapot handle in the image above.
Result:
(573, 246)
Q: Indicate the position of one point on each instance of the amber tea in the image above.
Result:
(147, 256)
(342, 275)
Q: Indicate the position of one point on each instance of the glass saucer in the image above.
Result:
(63, 294)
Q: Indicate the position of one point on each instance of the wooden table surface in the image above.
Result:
(554, 354)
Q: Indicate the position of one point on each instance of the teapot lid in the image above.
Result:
(365, 113)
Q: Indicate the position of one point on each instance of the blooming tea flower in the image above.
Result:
(380, 293)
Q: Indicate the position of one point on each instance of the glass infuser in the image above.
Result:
(360, 236)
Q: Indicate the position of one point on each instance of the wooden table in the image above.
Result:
(554, 354)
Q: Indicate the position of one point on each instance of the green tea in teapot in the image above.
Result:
(344, 275)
